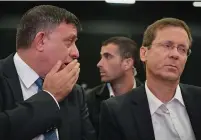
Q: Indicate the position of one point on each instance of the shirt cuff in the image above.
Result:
(52, 97)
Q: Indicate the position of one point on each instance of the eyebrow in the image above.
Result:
(106, 54)
(72, 37)
(169, 41)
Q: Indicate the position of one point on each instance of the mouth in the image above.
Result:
(64, 65)
(102, 73)
(172, 66)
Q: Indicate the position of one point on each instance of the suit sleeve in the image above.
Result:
(30, 118)
(108, 129)
(88, 131)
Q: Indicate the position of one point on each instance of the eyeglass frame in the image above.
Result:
(164, 45)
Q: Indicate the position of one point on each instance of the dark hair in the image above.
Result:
(150, 33)
(127, 47)
(42, 18)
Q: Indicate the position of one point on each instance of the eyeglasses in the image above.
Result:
(169, 45)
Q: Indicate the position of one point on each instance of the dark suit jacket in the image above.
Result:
(15, 122)
(128, 117)
(72, 119)
(94, 98)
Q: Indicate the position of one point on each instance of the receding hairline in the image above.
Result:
(172, 26)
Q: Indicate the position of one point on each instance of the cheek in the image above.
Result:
(61, 51)
(155, 60)
(58, 53)
(182, 64)
(115, 69)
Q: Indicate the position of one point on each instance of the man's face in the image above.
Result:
(110, 64)
(166, 58)
(60, 45)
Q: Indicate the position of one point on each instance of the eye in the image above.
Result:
(167, 45)
(107, 56)
(68, 43)
(182, 49)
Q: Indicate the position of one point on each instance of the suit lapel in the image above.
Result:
(193, 109)
(100, 96)
(141, 113)
(11, 76)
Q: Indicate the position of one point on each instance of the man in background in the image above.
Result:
(46, 51)
(163, 108)
(118, 57)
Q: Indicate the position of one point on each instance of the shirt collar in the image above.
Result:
(111, 90)
(25, 73)
(155, 103)
(178, 95)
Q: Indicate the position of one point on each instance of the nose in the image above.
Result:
(174, 53)
(74, 52)
(99, 63)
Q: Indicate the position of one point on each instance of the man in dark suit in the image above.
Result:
(162, 109)
(118, 57)
(46, 50)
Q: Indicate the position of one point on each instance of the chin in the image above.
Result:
(171, 77)
(105, 79)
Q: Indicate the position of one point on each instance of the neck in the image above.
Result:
(122, 85)
(30, 58)
(163, 89)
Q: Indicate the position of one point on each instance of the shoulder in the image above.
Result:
(2, 64)
(122, 102)
(118, 103)
(95, 89)
(191, 89)
(7, 63)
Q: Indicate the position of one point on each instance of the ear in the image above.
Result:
(143, 53)
(128, 63)
(39, 41)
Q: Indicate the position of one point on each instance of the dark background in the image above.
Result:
(100, 21)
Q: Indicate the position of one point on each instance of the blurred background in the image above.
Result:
(101, 20)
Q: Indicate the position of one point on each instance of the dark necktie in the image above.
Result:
(50, 135)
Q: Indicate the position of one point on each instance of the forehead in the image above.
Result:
(175, 34)
(110, 48)
(65, 30)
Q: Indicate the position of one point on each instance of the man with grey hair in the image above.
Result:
(54, 109)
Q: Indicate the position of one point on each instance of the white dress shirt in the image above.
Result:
(111, 90)
(27, 77)
(170, 120)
